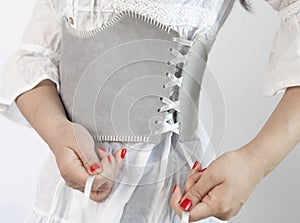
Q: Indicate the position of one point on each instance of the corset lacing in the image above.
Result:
(170, 106)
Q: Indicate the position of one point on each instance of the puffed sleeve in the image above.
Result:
(284, 61)
(35, 59)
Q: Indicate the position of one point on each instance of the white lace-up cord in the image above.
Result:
(92, 12)
(87, 194)
(168, 123)
(185, 217)
(58, 191)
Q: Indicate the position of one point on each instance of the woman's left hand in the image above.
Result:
(222, 189)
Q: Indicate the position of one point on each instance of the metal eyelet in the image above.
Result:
(71, 20)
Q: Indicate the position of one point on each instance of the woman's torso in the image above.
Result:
(143, 200)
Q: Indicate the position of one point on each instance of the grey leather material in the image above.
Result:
(189, 92)
(112, 80)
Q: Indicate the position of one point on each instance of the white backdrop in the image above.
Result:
(238, 60)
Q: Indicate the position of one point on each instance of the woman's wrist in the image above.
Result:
(58, 129)
(279, 135)
(255, 161)
(43, 109)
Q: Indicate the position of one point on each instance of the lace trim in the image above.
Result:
(204, 19)
(170, 14)
(289, 11)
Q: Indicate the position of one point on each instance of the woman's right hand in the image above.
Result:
(76, 158)
(71, 143)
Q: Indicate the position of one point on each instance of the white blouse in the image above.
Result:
(284, 62)
(38, 55)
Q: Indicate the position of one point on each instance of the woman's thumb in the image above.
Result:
(85, 149)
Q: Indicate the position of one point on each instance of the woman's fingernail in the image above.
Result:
(94, 167)
(202, 170)
(109, 159)
(195, 165)
(101, 148)
(174, 188)
(123, 153)
(186, 204)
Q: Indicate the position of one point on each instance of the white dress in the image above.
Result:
(38, 59)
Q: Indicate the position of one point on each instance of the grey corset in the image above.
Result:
(132, 79)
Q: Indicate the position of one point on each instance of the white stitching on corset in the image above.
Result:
(118, 16)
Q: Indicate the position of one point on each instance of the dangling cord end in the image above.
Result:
(185, 217)
(75, 12)
(187, 156)
(87, 193)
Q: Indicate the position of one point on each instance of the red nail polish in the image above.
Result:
(109, 159)
(94, 167)
(101, 148)
(202, 170)
(195, 165)
(174, 188)
(123, 153)
(186, 204)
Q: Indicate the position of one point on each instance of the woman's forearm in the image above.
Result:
(43, 109)
(280, 134)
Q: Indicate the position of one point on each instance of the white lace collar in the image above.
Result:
(168, 12)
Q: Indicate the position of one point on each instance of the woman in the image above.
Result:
(75, 158)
